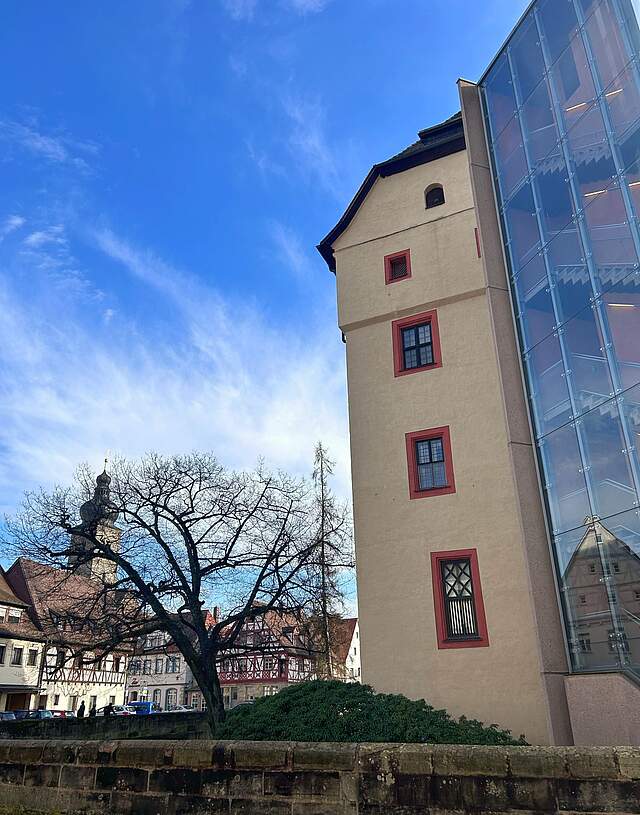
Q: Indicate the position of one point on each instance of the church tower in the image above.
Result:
(98, 516)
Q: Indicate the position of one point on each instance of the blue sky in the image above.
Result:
(167, 167)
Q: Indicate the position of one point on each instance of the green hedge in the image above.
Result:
(349, 712)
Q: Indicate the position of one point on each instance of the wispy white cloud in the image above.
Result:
(291, 251)
(265, 163)
(56, 148)
(247, 9)
(11, 224)
(233, 383)
(307, 6)
(52, 234)
(308, 141)
(240, 9)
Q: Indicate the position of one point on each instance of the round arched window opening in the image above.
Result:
(434, 196)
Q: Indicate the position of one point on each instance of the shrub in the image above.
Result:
(346, 712)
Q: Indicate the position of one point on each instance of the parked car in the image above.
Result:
(118, 710)
(21, 714)
(7, 716)
(179, 709)
(39, 714)
(144, 708)
(63, 714)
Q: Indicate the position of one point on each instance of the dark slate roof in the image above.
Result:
(433, 142)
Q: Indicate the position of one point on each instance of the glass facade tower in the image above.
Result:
(562, 112)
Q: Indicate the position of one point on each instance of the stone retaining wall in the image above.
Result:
(176, 778)
(157, 726)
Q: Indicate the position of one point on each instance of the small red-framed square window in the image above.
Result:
(457, 597)
(430, 463)
(416, 343)
(397, 267)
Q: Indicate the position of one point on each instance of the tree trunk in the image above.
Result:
(209, 683)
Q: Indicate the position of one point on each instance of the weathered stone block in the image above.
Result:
(59, 752)
(324, 785)
(197, 805)
(484, 794)
(470, 760)
(591, 762)
(598, 796)
(194, 753)
(537, 762)
(42, 775)
(628, 759)
(311, 756)
(378, 788)
(241, 806)
(129, 803)
(537, 794)
(260, 754)
(29, 752)
(215, 783)
(178, 780)
(245, 784)
(446, 793)
(11, 773)
(413, 790)
(143, 753)
(311, 808)
(77, 778)
(132, 779)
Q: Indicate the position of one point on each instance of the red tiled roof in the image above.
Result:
(341, 632)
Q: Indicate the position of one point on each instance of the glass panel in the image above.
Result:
(608, 461)
(512, 163)
(539, 125)
(559, 24)
(520, 215)
(526, 56)
(548, 383)
(501, 101)
(590, 379)
(587, 136)
(622, 307)
(573, 82)
(611, 239)
(556, 204)
(564, 479)
(607, 46)
(536, 313)
(569, 273)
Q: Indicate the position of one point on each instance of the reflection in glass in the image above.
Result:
(606, 451)
(607, 46)
(565, 483)
(526, 56)
(520, 215)
(573, 151)
(559, 24)
(549, 390)
(601, 593)
(501, 101)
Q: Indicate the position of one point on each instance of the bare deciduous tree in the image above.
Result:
(175, 535)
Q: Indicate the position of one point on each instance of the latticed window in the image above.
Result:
(398, 267)
(459, 602)
(430, 462)
(417, 346)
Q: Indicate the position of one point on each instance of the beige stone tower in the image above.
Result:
(457, 600)
(99, 514)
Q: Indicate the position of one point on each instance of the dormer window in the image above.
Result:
(434, 196)
(397, 267)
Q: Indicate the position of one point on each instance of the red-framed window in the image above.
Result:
(416, 343)
(397, 267)
(457, 597)
(430, 463)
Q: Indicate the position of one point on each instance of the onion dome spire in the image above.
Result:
(100, 509)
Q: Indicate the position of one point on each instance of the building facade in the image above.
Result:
(487, 284)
